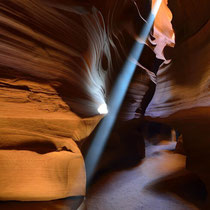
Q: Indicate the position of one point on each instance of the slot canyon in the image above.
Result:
(104, 104)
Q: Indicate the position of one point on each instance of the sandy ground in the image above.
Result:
(159, 182)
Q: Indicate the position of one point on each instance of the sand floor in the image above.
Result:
(159, 182)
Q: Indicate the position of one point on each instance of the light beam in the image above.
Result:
(116, 99)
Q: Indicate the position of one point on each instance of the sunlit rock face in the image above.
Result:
(76, 47)
(58, 61)
(59, 47)
(38, 150)
(47, 59)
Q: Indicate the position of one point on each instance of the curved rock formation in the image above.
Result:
(182, 97)
(59, 61)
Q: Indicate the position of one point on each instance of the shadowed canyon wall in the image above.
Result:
(58, 62)
(60, 59)
(182, 97)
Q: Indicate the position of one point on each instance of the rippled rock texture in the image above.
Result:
(58, 62)
(182, 97)
(60, 59)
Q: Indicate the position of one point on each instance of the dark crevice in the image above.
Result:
(20, 87)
